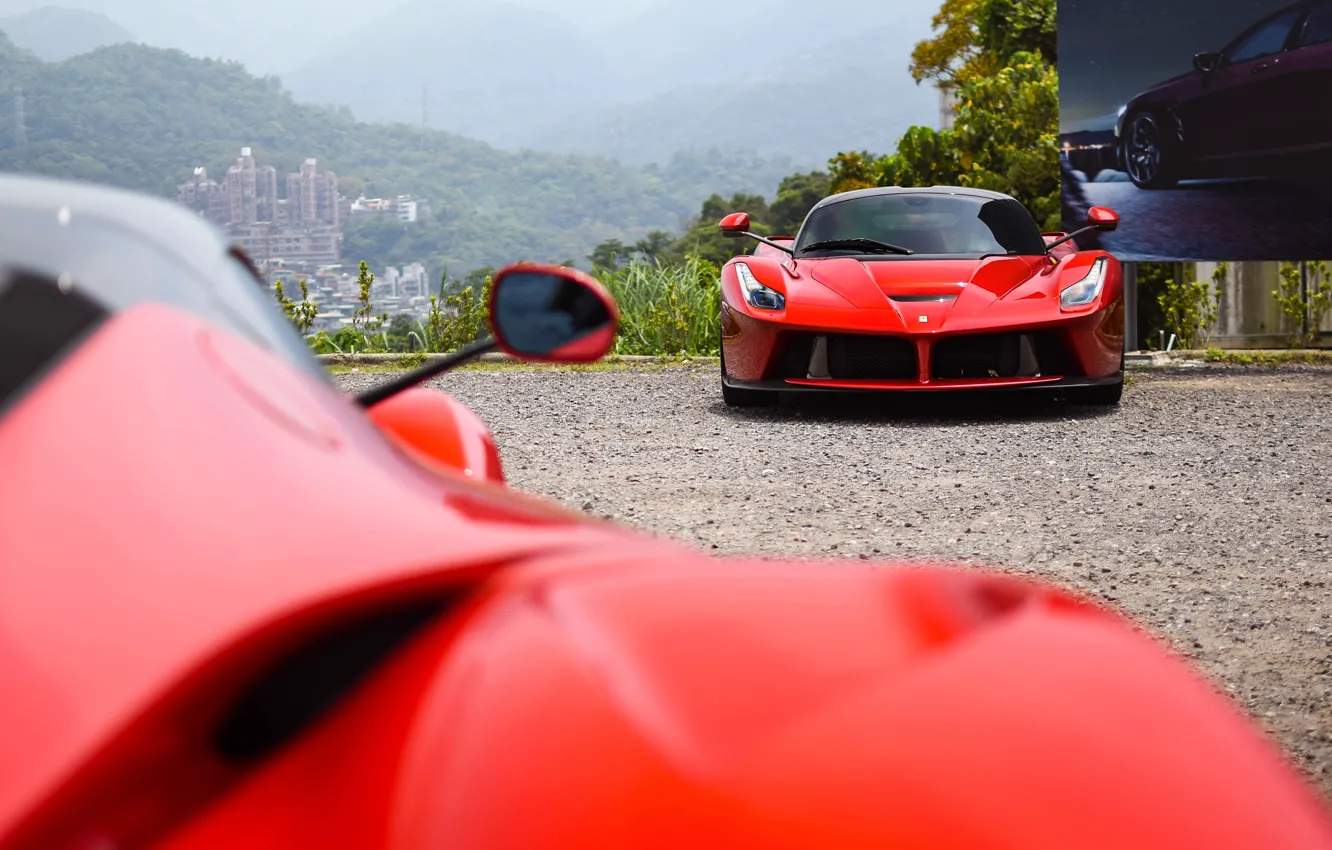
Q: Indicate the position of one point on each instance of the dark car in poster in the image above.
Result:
(1260, 106)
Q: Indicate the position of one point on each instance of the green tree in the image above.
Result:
(1005, 28)
(610, 255)
(364, 322)
(796, 196)
(300, 313)
(657, 243)
(953, 56)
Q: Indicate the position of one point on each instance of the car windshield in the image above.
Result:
(117, 269)
(932, 223)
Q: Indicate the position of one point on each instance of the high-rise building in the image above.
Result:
(252, 193)
(312, 197)
(205, 196)
(304, 227)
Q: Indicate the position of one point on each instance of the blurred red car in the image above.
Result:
(239, 609)
(939, 288)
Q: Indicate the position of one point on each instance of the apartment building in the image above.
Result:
(304, 227)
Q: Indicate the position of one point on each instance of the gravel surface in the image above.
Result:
(1202, 506)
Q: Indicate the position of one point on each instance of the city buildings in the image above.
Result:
(403, 207)
(303, 227)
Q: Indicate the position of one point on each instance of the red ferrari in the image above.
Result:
(240, 609)
(938, 288)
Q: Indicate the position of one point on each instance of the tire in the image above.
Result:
(1105, 395)
(1151, 160)
(738, 397)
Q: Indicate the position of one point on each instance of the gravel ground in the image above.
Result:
(1202, 506)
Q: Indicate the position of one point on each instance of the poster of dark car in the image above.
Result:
(1206, 124)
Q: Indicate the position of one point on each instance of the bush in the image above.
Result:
(667, 309)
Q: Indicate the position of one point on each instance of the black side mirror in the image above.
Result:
(551, 313)
(1207, 62)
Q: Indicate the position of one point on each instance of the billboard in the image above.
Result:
(1206, 124)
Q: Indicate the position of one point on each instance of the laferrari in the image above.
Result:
(242, 609)
(924, 289)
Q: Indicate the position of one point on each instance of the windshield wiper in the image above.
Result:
(871, 246)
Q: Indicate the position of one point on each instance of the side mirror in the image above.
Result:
(735, 225)
(1207, 62)
(552, 314)
(1102, 218)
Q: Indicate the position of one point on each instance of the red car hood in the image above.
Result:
(874, 284)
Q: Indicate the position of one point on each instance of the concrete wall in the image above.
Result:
(1248, 315)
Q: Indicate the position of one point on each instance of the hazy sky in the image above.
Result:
(1110, 51)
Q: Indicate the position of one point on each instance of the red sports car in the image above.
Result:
(239, 609)
(938, 288)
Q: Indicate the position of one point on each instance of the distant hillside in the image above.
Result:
(141, 117)
(805, 118)
(161, 23)
(788, 79)
(487, 70)
(55, 33)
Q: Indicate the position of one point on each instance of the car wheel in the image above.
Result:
(1149, 158)
(737, 396)
(1105, 395)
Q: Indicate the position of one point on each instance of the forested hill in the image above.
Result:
(143, 118)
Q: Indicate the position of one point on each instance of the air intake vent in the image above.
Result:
(310, 681)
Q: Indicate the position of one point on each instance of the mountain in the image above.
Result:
(164, 23)
(54, 33)
(808, 106)
(783, 81)
(268, 37)
(143, 118)
(491, 71)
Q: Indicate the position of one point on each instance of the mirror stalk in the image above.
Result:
(766, 241)
(371, 397)
(1074, 235)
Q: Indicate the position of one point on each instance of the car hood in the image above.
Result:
(1164, 85)
(876, 284)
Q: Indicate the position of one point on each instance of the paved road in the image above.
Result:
(1215, 220)
(1202, 506)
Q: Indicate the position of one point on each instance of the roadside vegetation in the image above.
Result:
(1172, 303)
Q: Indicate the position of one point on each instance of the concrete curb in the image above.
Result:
(494, 357)
(1228, 357)
(1133, 360)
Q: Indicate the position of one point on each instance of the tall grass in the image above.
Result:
(667, 310)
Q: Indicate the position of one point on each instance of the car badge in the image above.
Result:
(924, 319)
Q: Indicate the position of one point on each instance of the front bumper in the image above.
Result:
(1064, 350)
(1051, 384)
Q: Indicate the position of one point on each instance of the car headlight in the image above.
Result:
(758, 295)
(1086, 290)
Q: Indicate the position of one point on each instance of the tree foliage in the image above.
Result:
(953, 56)
(998, 53)
(702, 240)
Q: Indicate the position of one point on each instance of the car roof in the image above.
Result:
(166, 225)
(912, 190)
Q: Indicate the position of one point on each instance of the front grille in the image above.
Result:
(851, 357)
(997, 356)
